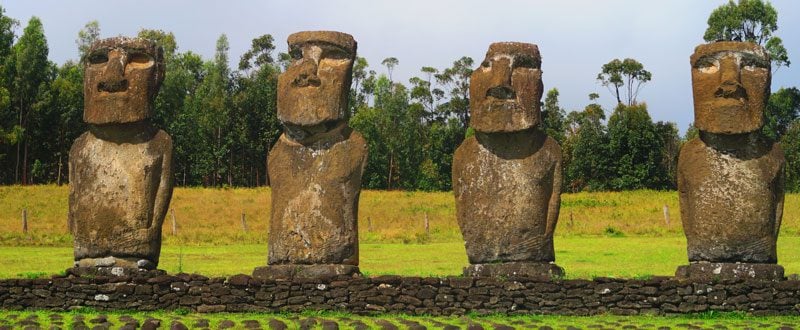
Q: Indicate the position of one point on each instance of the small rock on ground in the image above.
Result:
(177, 325)
(386, 325)
(226, 324)
(329, 325)
(251, 324)
(276, 324)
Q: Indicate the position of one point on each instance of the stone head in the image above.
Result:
(121, 79)
(506, 89)
(315, 88)
(731, 86)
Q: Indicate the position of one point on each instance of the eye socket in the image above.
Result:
(296, 53)
(752, 63)
(526, 62)
(335, 53)
(98, 58)
(706, 63)
(486, 64)
(139, 58)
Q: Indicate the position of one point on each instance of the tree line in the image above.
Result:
(223, 120)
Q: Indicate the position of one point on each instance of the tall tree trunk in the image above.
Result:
(16, 166)
(391, 165)
(25, 164)
(60, 166)
(230, 169)
(216, 160)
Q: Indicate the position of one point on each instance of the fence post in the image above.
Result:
(244, 221)
(427, 226)
(24, 221)
(666, 214)
(174, 223)
(369, 224)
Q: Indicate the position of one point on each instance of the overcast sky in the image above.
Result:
(575, 37)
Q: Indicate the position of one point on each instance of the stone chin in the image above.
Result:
(502, 116)
(116, 108)
(308, 107)
(727, 117)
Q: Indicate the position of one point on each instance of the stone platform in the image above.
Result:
(709, 271)
(515, 269)
(298, 271)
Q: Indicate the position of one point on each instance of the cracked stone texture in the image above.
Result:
(316, 166)
(120, 171)
(731, 178)
(731, 86)
(316, 86)
(121, 79)
(714, 271)
(506, 89)
(507, 178)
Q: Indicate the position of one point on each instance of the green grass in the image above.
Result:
(581, 257)
(345, 321)
(213, 216)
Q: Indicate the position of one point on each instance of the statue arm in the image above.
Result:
(164, 194)
(779, 196)
(555, 199)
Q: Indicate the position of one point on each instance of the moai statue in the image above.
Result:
(507, 178)
(731, 178)
(316, 165)
(120, 171)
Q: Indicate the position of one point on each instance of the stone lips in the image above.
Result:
(507, 191)
(315, 88)
(506, 89)
(731, 86)
(121, 73)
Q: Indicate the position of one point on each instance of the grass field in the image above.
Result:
(620, 234)
(581, 257)
(116, 320)
(213, 216)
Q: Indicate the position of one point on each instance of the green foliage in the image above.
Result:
(86, 36)
(613, 232)
(164, 39)
(748, 20)
(790, 142)
(782, 109)
(628, 73)
(586, 150)
(636, 150)
(553, 116)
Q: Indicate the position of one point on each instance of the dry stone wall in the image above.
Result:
(410, 295)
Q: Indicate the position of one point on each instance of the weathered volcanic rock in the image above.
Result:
(731, 178)
(315, 192)
(507, 178)
(315, 168)
(507, 190)
(121, 169)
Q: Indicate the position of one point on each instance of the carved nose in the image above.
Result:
(501, 92)
(113, 78)
(305, 80)
(307, 75)
(731, 89)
